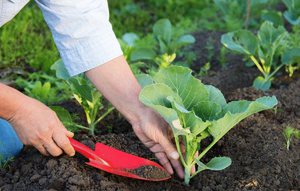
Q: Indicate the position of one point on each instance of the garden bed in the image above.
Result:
(256, 146)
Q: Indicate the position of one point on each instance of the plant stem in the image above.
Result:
(257, 65)
(187, 175)
(104, 115)
(248, 14)
(179, 151)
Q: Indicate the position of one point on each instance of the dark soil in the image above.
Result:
(150, 172)
(256, 147)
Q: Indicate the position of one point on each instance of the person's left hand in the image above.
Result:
(152, 130)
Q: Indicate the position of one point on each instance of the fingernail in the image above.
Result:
(174, 155)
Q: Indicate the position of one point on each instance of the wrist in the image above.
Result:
(11, 101)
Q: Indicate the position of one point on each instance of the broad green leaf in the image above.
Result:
(270, 36)
(83, 90)
(221, 126)
(142, 54)
(188, 118)
(163, 29)
(272, 16)
(261, 83)
(130, 38)
(186, 39)
(241, 41)
(291, 56)
(144, 79)
(192, 92)
(219, 163)
(60, 69)
(215, 95)
(62, 114)
(216, 164)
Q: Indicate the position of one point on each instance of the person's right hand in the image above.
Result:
(39, 126)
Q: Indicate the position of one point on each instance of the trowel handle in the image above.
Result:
(82, 149)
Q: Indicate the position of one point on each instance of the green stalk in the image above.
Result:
(104, 115)
(257, 65)
(187, 175)
(179, 151)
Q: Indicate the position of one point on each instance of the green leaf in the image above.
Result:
(60, 69)
(83, 90)
(62, 114)
(261, 83)
(236, 112)
(144, 79)
(241, 41)
(216, 164)
(142, 54)
(215, 95)
(291, 56)
(272, 16)
(163, 29)
(219, 163)
(177, 78)
(185, 39)
(130, 38)
(269, 36)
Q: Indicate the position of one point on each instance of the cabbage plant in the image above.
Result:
(196, 112)
(265, 50)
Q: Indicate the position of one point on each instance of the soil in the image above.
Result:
(150, 172)
(256, 147)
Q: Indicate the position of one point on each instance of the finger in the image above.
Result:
(69, 134)
(63, 142)
(41, 149)
(52, 148)
(164, 161)
(178, 168)
(168, 147)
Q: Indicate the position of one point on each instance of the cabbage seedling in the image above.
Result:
(196, 112)
(264, 50)
(85, 94)
(289, 133)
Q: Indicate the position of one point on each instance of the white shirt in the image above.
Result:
(80, 28)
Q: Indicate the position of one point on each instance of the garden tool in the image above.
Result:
(117, 162)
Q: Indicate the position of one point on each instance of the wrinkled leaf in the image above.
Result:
(241, 41)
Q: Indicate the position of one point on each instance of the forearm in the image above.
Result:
(117, 83)
(10, 101)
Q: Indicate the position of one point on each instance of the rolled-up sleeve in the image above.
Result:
(82, 32)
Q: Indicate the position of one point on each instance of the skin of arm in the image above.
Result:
(34, 123)
(117, 83)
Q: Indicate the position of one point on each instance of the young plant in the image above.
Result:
(44, 88)
(289, 133)
(85, 94)
(159, 49)
(196, 112)
(264, 50)
(292, 15)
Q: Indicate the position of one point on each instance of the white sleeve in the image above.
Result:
(82, 32)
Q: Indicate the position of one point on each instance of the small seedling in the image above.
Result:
(289, 133)
(269, 50)
(86, 95)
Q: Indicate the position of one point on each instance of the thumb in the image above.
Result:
(69, 134)
(168, 147)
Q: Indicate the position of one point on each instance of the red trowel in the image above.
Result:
(120, 163)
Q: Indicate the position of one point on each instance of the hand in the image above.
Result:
(152, 130)
(37, 125)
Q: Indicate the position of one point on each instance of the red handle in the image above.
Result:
(83, 149)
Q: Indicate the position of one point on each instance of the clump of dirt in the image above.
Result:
(150, 172)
